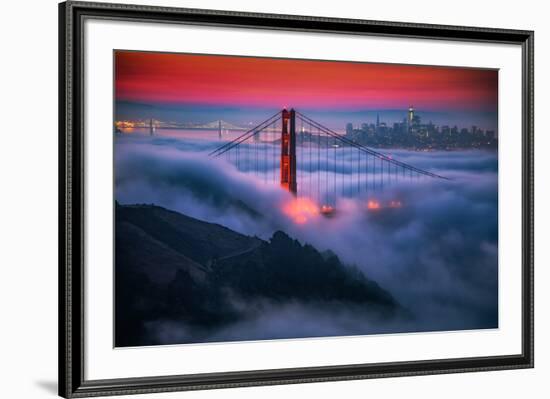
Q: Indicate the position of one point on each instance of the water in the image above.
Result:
(189, 134)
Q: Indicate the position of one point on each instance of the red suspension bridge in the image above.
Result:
(312, 161)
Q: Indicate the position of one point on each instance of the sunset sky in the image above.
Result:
(209, 82)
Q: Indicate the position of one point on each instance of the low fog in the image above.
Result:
(437, 253)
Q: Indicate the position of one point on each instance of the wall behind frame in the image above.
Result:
(28, 205)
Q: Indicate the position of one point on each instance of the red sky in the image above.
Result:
(267, 82)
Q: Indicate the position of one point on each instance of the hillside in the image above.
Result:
(201, 278)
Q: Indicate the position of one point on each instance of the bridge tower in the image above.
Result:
(288, 151)
(151, 127)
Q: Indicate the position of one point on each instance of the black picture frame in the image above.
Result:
(71, 200)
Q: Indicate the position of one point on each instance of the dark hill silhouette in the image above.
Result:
(171, 268)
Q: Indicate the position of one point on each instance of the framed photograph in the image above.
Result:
(253, 199)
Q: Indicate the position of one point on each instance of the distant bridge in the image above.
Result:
(312, 161)
(219, 124)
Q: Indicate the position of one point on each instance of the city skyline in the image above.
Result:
(371, 117)
(412, 132)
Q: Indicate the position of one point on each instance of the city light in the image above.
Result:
(411, 132)
(327, 210)
(377, 205)
(373, 204)
(301, 210)
(125, 124)
(395, 204)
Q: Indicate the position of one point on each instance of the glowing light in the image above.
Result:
(300, 210)
(395, 204)
(327, 210)
(373, 204)
(125, 124)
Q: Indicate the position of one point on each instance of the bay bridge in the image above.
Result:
(316, 163)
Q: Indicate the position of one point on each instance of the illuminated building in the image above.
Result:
(410, 117)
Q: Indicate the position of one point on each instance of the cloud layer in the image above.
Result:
(437, 253)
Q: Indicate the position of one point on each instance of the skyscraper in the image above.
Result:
(410, 118)
(349, 129)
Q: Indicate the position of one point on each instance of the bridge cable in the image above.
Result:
(361, 147)
(231, 144)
